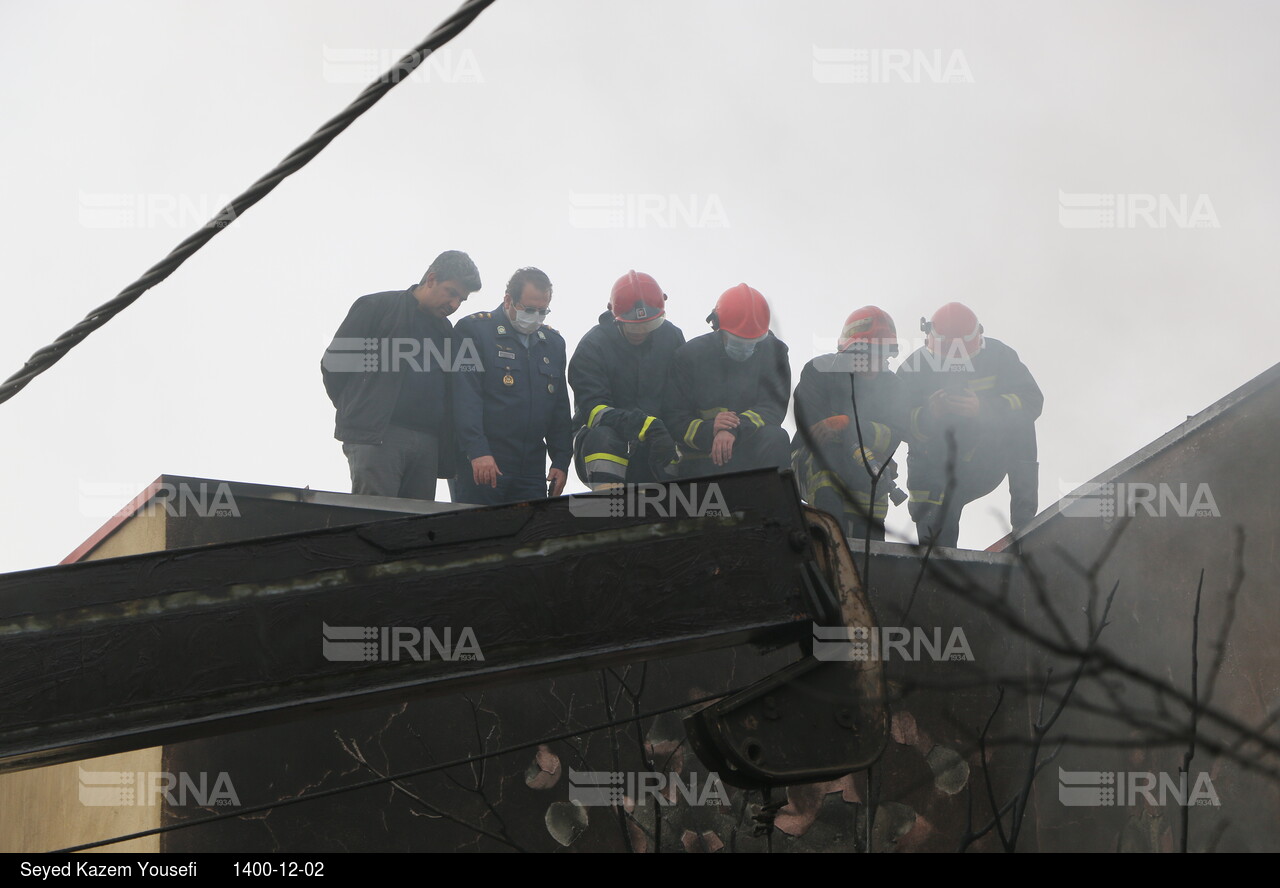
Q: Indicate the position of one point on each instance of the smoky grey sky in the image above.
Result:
(1097, 180)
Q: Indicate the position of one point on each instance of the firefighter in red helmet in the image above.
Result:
(618, 375)
(729, 389)
(849, 421)
(971, 422)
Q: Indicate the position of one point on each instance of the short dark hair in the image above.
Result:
(530, 275)
(455, 265)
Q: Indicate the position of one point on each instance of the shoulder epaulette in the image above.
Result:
(479, 316)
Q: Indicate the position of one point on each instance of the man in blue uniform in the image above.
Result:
(514, 410)
(618, 374)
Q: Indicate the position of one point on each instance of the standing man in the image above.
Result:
(728, 391)
(849, 422)
(515, 409)
(618, 374)
(972, 410)
(386, 373)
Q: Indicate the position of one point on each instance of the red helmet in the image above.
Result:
(871, 325)
(637, 299)
(741, 311)
(954, 321)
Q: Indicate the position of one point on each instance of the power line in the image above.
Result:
(403, 775)
(46, 357)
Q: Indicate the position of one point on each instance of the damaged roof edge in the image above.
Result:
(247, 490)
(1185, 430)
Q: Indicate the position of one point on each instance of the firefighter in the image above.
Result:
(837, 460)
(728, 391)
(971, 422)
(514, 410)
(618, 374)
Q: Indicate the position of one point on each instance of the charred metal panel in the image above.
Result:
(524, 799)
(1205, 497)
(943, 657)
(820, 718)
(122, 653)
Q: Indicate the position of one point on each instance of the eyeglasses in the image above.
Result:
(540, 312)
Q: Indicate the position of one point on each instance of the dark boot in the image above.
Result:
(936, 523)
(1024, 492)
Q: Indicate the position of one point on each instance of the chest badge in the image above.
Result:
(551, 388)
(510, 356)
(502, 329)
(508, 380)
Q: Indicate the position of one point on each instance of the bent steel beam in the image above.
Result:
(821, 717)
(101, 657)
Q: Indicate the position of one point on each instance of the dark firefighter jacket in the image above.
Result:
(705, 381)
(618, 384)
(1007, 394)
(826, 390)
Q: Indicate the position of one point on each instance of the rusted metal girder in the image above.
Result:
(100, 657)
(821, 717)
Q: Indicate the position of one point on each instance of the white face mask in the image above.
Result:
(739, 349)
(527, 321)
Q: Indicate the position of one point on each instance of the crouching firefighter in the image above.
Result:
(618, 375)
(972, 411)
(729, 390)
(849, 419)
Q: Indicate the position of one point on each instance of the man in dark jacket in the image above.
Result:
(728, 391)
(515, 411)
(387, 373)
(972, 410)
(849, 421)
(618, 375)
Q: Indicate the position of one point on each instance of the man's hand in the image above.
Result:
(484, 470)
(937, 407)
(963, 403)
(726, 419)
(557, 478)
(662, 450)
(830, 429)
(722, 447)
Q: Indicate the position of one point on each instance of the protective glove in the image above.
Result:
(830, 429)
(662, 449)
